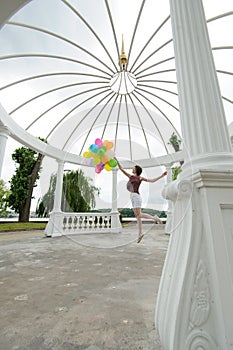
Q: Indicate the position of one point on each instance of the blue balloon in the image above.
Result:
(94, 148)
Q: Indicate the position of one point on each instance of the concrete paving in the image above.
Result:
(81, 292)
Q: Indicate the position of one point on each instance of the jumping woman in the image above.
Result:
(133, 187)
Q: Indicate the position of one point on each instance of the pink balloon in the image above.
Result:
(98, 142)
(98, 169)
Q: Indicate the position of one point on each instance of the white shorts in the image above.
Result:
(136, 200)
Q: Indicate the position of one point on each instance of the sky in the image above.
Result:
(41, 13)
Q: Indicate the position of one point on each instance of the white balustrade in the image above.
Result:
(86, 223)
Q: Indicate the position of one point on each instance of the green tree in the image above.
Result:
(163, 214)
(4, 195)
(78, 194)
(28, 166)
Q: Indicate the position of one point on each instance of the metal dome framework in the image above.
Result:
(86, 92)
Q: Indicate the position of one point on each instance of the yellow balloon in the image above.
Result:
(96, 160)
(107, 167)
(86, 154)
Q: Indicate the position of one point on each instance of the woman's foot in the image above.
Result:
(157, 220)
(140, 238)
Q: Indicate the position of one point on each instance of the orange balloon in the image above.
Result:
(104, 159)
(108, 144)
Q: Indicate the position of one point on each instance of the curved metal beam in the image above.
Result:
(165, 116)
(154, 52)
(117, 122)
(73, 109)
(227, 99)
(160, 98)
(157, 88)
(158, 72)
(59, 103)
(60, 38)
(92, 125)
(135, 29)
(113, 28)
(222, 48)
(220, 16)
(92, 30)
(155, 124)
(140, 121)
(155, 64)
(159, 81)
(90, 110)
(130, 139)
(52, 90)
(224, 72)
(147, 43)
(109, 114)
(33, 77)
(54, 57)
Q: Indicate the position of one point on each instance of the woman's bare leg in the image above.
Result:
(137, 213)
(148, 216)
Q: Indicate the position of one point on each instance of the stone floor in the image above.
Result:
(85, 292)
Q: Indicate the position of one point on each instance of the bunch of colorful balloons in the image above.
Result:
(100, 155)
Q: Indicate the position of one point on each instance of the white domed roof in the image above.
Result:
(72, 71)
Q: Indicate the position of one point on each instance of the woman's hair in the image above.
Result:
(138, 170)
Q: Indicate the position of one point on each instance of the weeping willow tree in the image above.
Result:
(78, 194)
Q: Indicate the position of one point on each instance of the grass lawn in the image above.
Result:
(22, 226)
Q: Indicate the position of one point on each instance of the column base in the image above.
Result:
(54, 225)
(116, 226)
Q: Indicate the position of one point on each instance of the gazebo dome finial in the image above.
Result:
(123, 58)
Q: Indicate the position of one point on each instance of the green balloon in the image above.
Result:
(112, 163)
(101, 152)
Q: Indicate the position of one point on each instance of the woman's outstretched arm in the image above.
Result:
(154, 179)
(122, 169)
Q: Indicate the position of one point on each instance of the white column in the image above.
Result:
(54, 226)
(168, 226)
(114, 189)
(4, 133)
(195, 300)
(58, 190)
(115, 221)
(203, 121)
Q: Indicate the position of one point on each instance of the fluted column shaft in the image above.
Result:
(203, 122)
